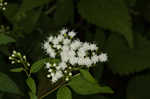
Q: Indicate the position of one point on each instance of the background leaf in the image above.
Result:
(109, 14)
(64, 12)
(26, 21)
(138, 87)
(4, 39)
(30, 4)
(124, 60)
(8, 85)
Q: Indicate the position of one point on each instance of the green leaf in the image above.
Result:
(17, 69)
(86, 75)
(99, 37)
(138, 87)
(4, 39)
(108, 14)
(124, 60)
(31, 84)
(7, 85)
(26, 21)
(84, 87)
(32, 95)
(64, 12)
(64, 93)
(30, 4)
(11, 11)
(38, 65)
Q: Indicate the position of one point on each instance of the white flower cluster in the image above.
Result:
(3, 5)
(72, 53)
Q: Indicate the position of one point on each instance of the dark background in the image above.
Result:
(120, 28)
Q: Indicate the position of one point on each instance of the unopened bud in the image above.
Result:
(13, 62)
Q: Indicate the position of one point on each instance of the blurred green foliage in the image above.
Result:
(120, 27)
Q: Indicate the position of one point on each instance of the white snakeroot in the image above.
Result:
(86, 46)
(73, 61)
(46, 45)
(103, 57)
(63, 31)
(72, 34)
(75, 44)
(62, 66)
(50, 39)
(87, 62)
(55, 41)
(71, 53)
(51, 52)
(50, 70)
(48, 65)
(95, 59)
(57, 76)
(66, 41)
(93, 47)
(81, 53)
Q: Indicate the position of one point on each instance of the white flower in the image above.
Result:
(64, 57)
(86, 46)
(50, 70)
(57, 76)
(93, 47)
(55, 41)
(63, 31)
(81, 53)
(95, 59)
(50, 39)
(50, 52)
(73, 60)
(60, 38)
(46, 45)
(62, 66)
(75, 44)
(66, 41)
(81, 61)
(103, 57)
(54, 64)
(71, 53)
(72, 34)
(48, 65)
(58, 46)
(54, 79)
(87, 62)
(64, 54)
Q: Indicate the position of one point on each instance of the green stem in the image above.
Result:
(50, 10)
(49, 92)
